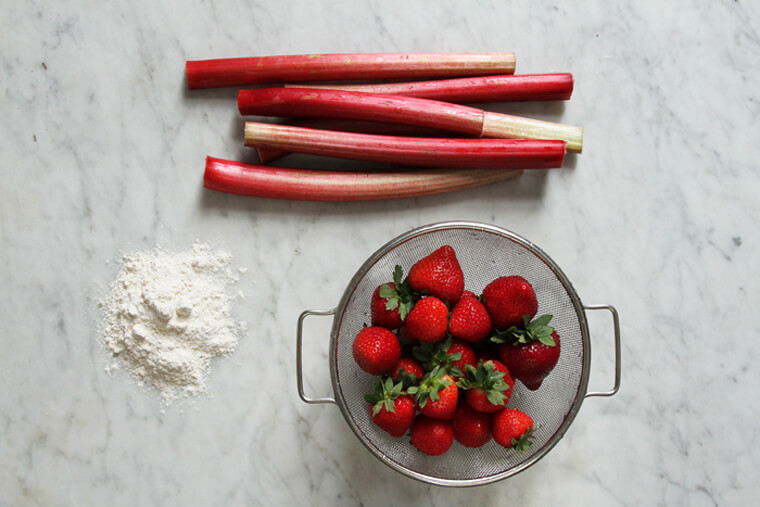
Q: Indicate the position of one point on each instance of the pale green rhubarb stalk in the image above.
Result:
(319, 185)
(505, 88)
(410, 151)
(313, 102)
(348, 66)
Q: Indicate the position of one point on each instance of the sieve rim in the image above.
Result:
(579, 312)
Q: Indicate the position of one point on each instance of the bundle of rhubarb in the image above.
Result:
(448, 360)
(405, 112)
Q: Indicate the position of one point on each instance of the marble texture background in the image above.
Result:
(103, 151)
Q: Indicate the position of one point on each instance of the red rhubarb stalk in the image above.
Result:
(268, 155)
(322, 67)
(318, 185)
(413, 151)
(311, 102)
(506, 88)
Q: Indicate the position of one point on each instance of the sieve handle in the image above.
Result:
(299, 356)
(616, 327)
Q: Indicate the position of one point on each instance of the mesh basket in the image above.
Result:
(485, 252)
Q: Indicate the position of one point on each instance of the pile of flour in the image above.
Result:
(168, 314)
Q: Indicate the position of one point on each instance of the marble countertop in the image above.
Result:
(103, 153)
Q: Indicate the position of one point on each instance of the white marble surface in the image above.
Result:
(103, 152)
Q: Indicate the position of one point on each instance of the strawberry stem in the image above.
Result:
(537, 329)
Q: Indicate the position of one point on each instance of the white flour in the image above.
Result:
(168, 314)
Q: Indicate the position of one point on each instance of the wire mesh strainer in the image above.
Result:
(485, 252)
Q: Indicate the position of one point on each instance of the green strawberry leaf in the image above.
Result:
(433, 355)
(523, 443)
(407, 379)
(388, 292)
(398, 275)
(547, 340)
(496, 397)
(530, 331)
(404, 309)
(483, 377)
(403, 294)
(431, 384)
(385, 391)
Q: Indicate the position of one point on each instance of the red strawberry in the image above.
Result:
(468, 294)
(431, 436)
(470, 320)
(466, 352)
(391, 409)
(508, 299)
(513, 428)
(428, 320)
(438, 274)
(384, 312)
(471, 428)
(533, 354)
(376, 350)
(437, 395)
(404, 335)
(408, 370)
(487, 387)
(391, 302)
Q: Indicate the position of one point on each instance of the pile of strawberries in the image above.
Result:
(448, 360)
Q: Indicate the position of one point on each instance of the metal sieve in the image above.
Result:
(485, 252)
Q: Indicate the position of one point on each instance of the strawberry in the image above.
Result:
(428, 320)
(436, 395)
(438, 274)
(530, 352)
(508, 299)
(391, 302)
(463, 349)
(408, 370)
(431, 436)
(406, 338)
(391, 408)
(450, 355)
(513, 429)
(376, 350)
(487, 387)
(468, 294)
(471, 428)
(470, 320)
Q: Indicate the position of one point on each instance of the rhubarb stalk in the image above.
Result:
(322, 67)
(317, 185)
(268, 155)
(506, 88)
(413, 151)
(311, 102)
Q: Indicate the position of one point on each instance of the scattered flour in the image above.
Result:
(168, 314)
